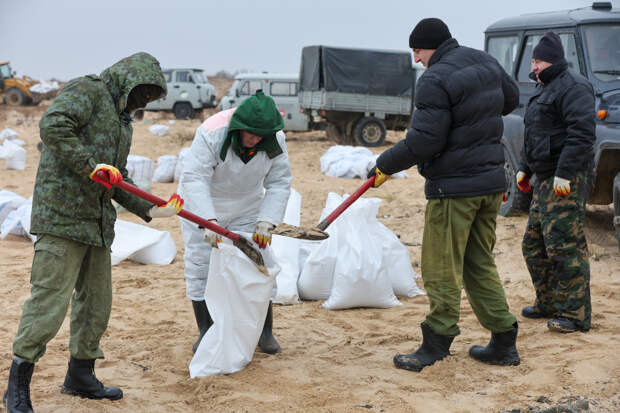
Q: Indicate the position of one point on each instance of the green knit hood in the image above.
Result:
(259, 115)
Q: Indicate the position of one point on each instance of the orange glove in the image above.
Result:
(114, 175)
(561, 186)
(523, 182)
(262, 234)
(170, 208)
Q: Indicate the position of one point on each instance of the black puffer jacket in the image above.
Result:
(457, 125)
(559, 125)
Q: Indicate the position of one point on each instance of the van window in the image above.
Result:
(251, 86)
(283, 89)
(570, 54)
(504, 49)
(183, 77)
(168, 76)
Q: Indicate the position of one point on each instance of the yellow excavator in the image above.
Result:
(16, 91)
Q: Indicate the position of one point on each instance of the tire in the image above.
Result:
(183, 110)
(516, 201)
(15, 97)
(617, 207)
(370, 131)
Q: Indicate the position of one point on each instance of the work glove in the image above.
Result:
(114, 175)
(561, 186)
(380, 176)
(523, 182)
(262, 233)
(211, 237)
(170, 208)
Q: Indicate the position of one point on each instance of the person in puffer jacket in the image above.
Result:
(237, 174)
(558, 151)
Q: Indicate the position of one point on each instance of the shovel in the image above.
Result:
(345, 204)
(238, 241)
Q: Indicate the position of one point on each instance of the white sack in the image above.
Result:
(237, 296)
(139, 168)
(164, 172)
(17, 222)
(359, 277)
(8, 133)
(286, 253)
(14, 155)
(159, 130)
(44, 87)
(178, 169)
(9, 201)
(142, 244)
(342, 161)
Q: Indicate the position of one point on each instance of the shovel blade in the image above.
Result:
(248, 249)
(291, 231)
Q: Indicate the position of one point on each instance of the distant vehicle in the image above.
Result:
(283, 88)
(188, 91)
(590, 39)
(16, 91)
(357, 93)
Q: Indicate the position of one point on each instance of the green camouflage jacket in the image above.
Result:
(86, 125)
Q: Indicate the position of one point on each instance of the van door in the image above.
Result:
(186, 89)
(247, 89)
(284, 93)
(163, 103)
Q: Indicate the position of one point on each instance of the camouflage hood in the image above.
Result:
(138, 69)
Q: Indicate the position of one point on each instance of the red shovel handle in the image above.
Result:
(159, 202)
(346, 203)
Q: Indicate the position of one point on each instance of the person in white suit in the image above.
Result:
(236, 173)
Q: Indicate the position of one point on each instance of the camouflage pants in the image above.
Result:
(66, 271)
(556, 253)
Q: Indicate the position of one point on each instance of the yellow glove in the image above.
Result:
(170, 208)
(114, 175)
(561, 186)
(262, 234)
(380, 177)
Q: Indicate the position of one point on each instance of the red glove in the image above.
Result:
(114, 175)
(523, 182)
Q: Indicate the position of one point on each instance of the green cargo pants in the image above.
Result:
(62, 268)
(459, 236)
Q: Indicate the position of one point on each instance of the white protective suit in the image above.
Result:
(237, 194)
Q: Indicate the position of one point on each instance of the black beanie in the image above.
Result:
(429, 34)
(549, 49)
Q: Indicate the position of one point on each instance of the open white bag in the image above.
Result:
(237, 296)
(142, 244)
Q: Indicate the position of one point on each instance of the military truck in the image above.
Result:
(16, 91)
(590, 39)
(188, 91)
(357, 93)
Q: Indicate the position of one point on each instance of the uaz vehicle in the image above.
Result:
(590, 39)
(188, 91)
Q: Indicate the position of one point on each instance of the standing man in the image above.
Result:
(455, 141)
(558, 150)
(85, 131)
(237, 174)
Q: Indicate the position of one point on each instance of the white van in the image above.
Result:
(283, 88)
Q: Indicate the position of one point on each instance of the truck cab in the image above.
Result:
(590, 39)
(188, 91)
(283, 88)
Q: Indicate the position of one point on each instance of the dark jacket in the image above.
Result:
(86, 125)
(457, 124)
(559, 125)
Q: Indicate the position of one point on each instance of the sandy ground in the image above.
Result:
(332, 361)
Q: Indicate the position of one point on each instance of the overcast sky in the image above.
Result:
(69, 38)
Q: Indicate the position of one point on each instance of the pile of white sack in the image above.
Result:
(11, 150)
(136, 242)
(341, 161)
(159, 130)
(170, 167)
(44, 87)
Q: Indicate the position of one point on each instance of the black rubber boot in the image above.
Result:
(501, 350)
(267, 342)
(203, 320)
(434, 348)
(532, 311)
(81, 381)
(562, 325)
(17, 397)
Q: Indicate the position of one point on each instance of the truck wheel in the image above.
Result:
(516, 201)
(370, 131)
(617, 207)
(15, 97)
(183, 110)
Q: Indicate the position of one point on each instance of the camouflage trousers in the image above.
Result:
(63, 272)
(556, 253)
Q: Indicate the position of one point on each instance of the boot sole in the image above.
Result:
(83, 395)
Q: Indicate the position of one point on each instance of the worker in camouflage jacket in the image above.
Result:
(558, 150)
(86, 133)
